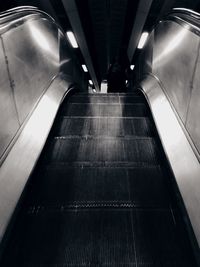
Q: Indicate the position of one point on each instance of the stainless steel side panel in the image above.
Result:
(33, 59)
(20, 162)
(174, 55)
(184, 164)
(9, 122)
(33, 51)
(193, 116)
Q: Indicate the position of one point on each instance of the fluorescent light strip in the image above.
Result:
(90, 82)
(72, 39)
(84, 68)
(132, 67)
(142, 40)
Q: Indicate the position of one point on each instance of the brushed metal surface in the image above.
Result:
(33, 59)
(193, 122)
(174, 55)
(34, 50)
(175, 63)
(184, 163)
(21, 160)
(9, 122)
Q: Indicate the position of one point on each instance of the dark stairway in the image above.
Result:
(100, 195)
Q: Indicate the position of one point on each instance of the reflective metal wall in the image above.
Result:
(8, 114)
(175, 63)
(33, 51)
(33, 60)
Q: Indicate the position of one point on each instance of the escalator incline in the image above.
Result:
(100, 195)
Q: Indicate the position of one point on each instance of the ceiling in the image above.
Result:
(107, 19)
(105, 28)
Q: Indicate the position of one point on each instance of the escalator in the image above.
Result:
(101, 193)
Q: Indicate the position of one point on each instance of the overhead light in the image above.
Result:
(143, 40)
(72, 39)
(90, 82)
(132, 67)
(84, 68)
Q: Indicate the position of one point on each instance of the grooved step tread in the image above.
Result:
(108, 99)
(104, 126)
(133, 93)
(104, 149)
(139, 187)
(99, 238)
(102, 110)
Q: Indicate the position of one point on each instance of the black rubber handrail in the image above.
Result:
(188, 12)
(16, 10)
(19, 12)
(187, 16)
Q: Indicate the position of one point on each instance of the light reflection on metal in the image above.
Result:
(172, 45)
(40, 38)
(90, 82)
(72, 39)
(143, 40)
(160, 107)
(44, 110)
(84, 68)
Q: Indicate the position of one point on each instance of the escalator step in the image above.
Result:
(98, 238)
(131, 99)
(158, 240)
(104, 127)
(99, 187)
(79, 185)
(104, 110)
(74, 238)
(93, 99)
(133, 93)
(106, 99)
(76, 149)
(148, 187)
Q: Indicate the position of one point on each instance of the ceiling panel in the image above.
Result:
(108, 18)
